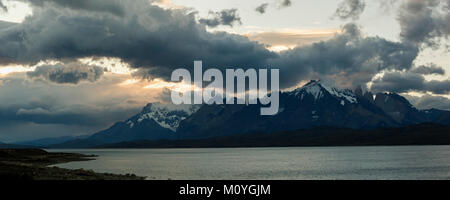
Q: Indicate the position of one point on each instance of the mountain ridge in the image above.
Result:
(313, 105)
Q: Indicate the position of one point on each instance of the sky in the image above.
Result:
(70, 68)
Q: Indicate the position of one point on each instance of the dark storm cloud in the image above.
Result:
(424, 21)
(349, 56)
(4, 24)
(398, 82)
(429, 102)
(71, 73)
(401, 82)
(438, 87)
(227, 17)
(350, 9)
(157, 41)
(146, 36)
(282, 4)
(110, 6)
(430, 69)
(262, 8)
(285, 3)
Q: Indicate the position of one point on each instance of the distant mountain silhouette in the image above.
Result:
(13, 146)
(314, 105)
(49, 141)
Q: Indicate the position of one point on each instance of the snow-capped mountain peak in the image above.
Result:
(166, 115)
(319, 89)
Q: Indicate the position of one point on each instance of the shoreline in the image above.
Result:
(35, 164)
(236, 147)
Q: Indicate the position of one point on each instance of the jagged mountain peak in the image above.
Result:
(157, 106)
(319, 89)
(388, 97)
(398, 107)
(166, 115)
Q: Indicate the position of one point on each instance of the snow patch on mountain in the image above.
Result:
(131, 124)
(315, 90)
(166, 115)
(318, 89)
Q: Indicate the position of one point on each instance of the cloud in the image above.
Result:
(50, 110)
(31, 109)
(167, 4)
(285, 3)
(71, 73)
(282, 4)
(438, 87)
(156, 41)
(349, 58)
(429, 102)
(163, 40)
(262, 8)
(388, 6)
(3, 7)
(402, 82)
(160, 40)
(4, 24)
(430, 69)
(73, 119)
(292, 38)
(350, 9)
(424, 21)
(398, 82)
(82, 115)
(227, 17)
(109, 6)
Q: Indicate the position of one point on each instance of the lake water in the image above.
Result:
(401, 162)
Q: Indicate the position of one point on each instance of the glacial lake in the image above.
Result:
(310, 163)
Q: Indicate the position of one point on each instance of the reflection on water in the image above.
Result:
(406, 162)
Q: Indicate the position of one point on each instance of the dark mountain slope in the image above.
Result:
(422, 134)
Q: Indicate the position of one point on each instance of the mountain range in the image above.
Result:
(314, 105)
(13, 146)
(419, 134)
(49, 141)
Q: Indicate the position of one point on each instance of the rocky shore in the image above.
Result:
(33, 164)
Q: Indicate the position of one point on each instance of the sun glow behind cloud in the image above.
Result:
(281, 40)
(280, 48)
(129, 82)
(14, 69)
(180, 87)
(167, 4)
(158, 84)
(113, 65)
(17, 11)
